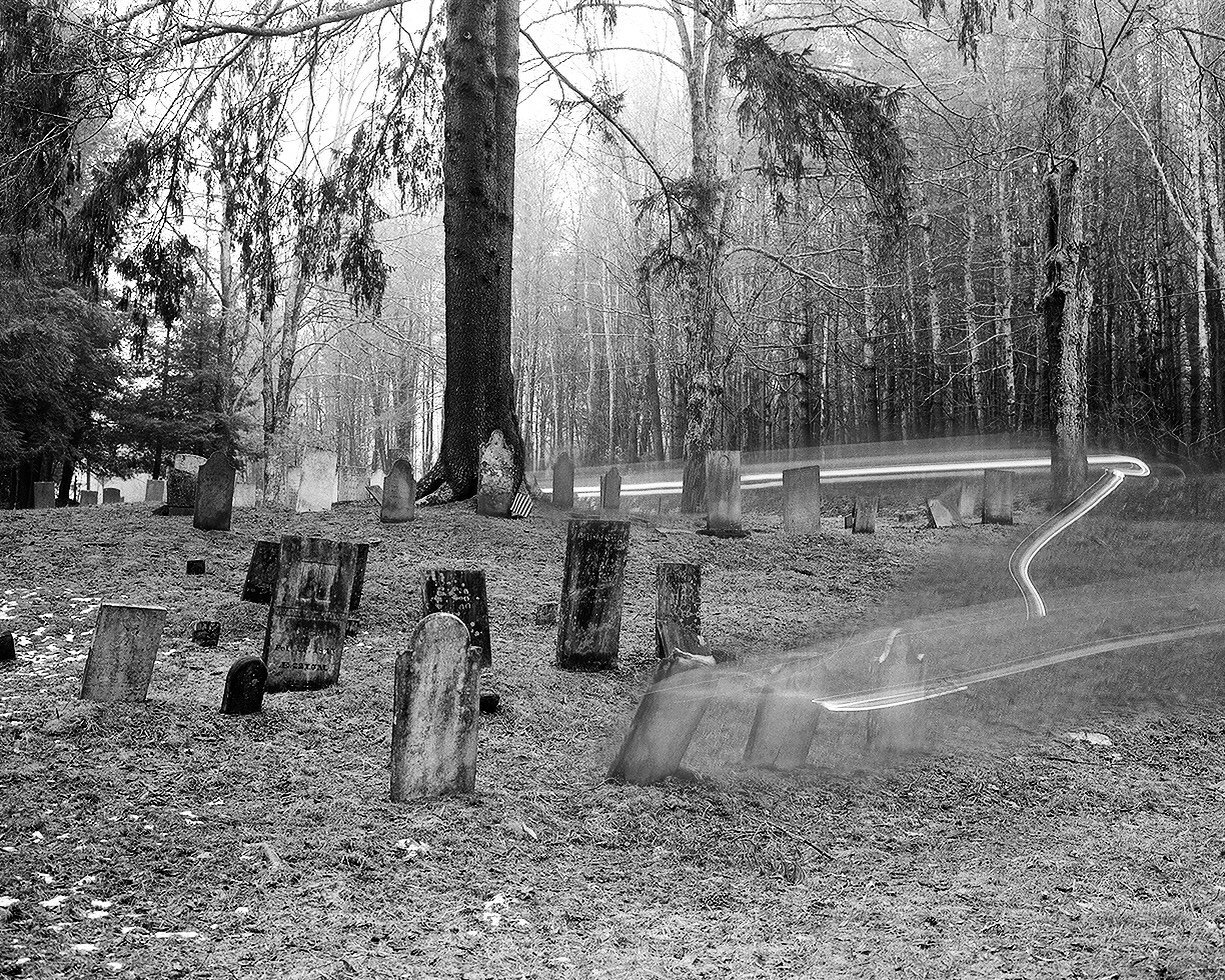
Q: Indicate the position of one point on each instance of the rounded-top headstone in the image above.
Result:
(244, 686)
(399, 494)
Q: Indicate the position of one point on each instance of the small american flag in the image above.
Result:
(521, 506)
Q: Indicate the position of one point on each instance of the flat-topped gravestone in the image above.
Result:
(8, 649)
(214, 494)
(246, 495)
(495, 477)
(899, 673)
(351, 483)
(786, 719)
(938, 515)
(593, 582)
(563, 482)
(44, 496)
(610, 490)
(188, 463)
(461, 592)
(997, 496)
(317, 487)
(865, 514)
(89, 498)
(155, 491)
(435, 711)
(181, 493)
(261, 572)
(678, 598)
(802, 500)
(244, 686)
(723, 496)
(399, 503)
(120, 662)
(112, 495)
(309, 612)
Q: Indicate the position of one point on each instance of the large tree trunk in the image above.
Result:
(480, 99)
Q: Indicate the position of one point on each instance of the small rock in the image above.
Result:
(1092, 738)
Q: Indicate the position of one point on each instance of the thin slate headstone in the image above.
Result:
(461, 592)
(802, 500)
(897, 729)
(865, 515)
(359, 585)
(317, 488)
(435, 711)
(195, 566)
(244, 686)
(8, 649)
(563, 482)
(495, 486)
(181, 493)
(246, 495)
(399, 503)
(786, 719)
(120, 662)
(723, 496)
(89, 498)
(593, 583)
(678, 598)
(610, 490)
(44, 496)
(214, 494)
(938, 515)
(206, 632)
(112, 495)
(261, 572)
(309, 613)
(155, 491)
(997, 496)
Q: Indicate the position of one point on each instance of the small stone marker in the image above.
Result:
(244, 686)
(44, 496)
(155, 491)
(461, 592)
(997, 496)
(786, 719)
(8, 649)
(214, 494)
(665, 722)
(678, 599)
(959, 499)
(490, 703)
(938, 515)
(896, 729)
(196, 566)
(589, 620)
(206, 632)
(317, 488)
(120, 662)
(89, 498)
(693, 485)
(546, 614)
(309, 612)
(865, 515)
(261, 573)
(351, 483)
(112, 495)
(563, 482)
(610, 490)
(399, 503)
(802, 500)
(495, 477)
(434, 720)
(181, 493)
(723, 497)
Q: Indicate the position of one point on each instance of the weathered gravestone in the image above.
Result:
(434, 721)
(244, 686)
(317, 488)
(214, 494)
(399, 503)
(89, 498)
(495, 478)
(802, 500)
(351, 483)
(461, 592)
(678, 598)
(206, 632)
(120, 662)
(865, 515)
(898, 675)
(723, 497)
(610, 490)
(188, 463)
(938, 515)
(261, 572)
(246, 495)
(309, 613)
(589, 621)
(8, 649)
(181, 493)
(997, 496)
(786, 719)
(112, 495)
(155, 491)
(563, 482)
(44, 496)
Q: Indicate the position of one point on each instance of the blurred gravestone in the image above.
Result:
(8, 649)
(865, 515)
(678, 598)
(244, 686)
(155, 491)
(897, 670)
(435, 711)
(309, 612)
(214, 494)
(563, 482)
(997, 497)
(89, 498)
(112, 495)
(399, 502)
(188, 463)
(610, 490)
(495, 477)
(802, 500)
(461, 592)
(181, 493)
(317, 488)
(44, 496)
(723, 496)
(589, 621)
(786, 719)
(938, 515)
(246, 495)
(120, 662)
(261, 573)
(959, 499)
(351, 483)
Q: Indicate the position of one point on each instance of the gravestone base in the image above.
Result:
(714, 532)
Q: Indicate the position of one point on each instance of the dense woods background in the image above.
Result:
(759, 226)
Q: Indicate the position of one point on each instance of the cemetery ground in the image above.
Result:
(164, 839)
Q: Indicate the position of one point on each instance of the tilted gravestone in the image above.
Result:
(214, 494)
(959, 499)
(678, 598)
(563, 482)
(997, 496)
(865, 515)
(317, 487)
(723, 496)
(399, 503)
(495, 478)
(610, 490)
(112, 495)
(802, 500)
(120, 662)
(461, 592)
(938, 514)
(181, 493)
(786, 718)
(155, 491)
(44, 496)
(593, 582)
(89, 498)
(309, 612)
(900, 673)
(244, 686)
(435, 711)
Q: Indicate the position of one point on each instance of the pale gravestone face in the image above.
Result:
(120, 662)
(246, 494)
(802, 500)
(563, 482)
(351, 483)
(244, 686)
(44, 495)
(155, 491)
(461, 593)
(399, 494)
(317, 488)
(214, 494)
(180, 493)
(188, 463)
(495, 477)
(112, 495)
(723, 492)
(89, 498)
